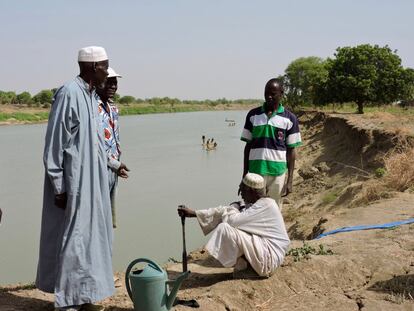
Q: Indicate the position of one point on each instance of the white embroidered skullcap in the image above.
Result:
(254, 181)
(92, 54)
(113, 74)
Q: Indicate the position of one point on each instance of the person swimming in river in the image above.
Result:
(210, 144)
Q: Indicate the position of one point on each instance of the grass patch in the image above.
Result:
(396, 175)
(134, 109)
(24, 116)
(352, 108)
(400, 288)
(141, 109)
(28, 286)
(373, 191)
(306, 250)
(330, 197)
(123, 109)
(400, 169)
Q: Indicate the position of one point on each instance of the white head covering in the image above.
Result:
(113, 74)
(254, 181)
(92, 54)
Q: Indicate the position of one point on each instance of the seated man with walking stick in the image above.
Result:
(252, 234)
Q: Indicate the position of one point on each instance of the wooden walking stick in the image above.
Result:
(184, 259)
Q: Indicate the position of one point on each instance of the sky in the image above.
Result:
(190, 49)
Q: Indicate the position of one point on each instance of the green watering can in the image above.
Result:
(148, 288)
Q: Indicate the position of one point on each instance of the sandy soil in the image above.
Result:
(368, 270)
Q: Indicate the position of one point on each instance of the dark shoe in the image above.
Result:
(91, 307)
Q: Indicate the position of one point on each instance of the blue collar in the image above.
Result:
(83, 84)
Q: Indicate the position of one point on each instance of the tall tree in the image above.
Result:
(408, 84)
(303, 77)
(117, 97)
(24, 98)
(7, 97)
(43, 97)
(365, 74)
(127, 99)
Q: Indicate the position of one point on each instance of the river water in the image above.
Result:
(168, 167)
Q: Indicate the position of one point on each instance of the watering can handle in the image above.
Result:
(131, 265)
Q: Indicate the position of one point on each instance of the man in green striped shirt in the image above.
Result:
(271, 133)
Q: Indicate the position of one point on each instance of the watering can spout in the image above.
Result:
(175, 287)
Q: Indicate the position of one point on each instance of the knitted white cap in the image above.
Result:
(254, 181)
(92, 54)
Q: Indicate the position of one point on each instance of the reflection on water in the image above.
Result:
(168, 167)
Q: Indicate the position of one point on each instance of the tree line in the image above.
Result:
(364, 74)
(45, 97)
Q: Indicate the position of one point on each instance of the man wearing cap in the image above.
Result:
(75, 257)
(109, 114)
(271, 133)
(255, 232)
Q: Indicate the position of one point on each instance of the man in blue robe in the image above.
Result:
(75, 260)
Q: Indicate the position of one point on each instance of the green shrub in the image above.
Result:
(306, 250)
(380, 172)
(330, 197)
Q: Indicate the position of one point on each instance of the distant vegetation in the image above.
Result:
(41, 99)
(25, 108)
(45, 97)
(364, 76)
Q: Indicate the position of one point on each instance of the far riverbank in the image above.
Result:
(16, 114)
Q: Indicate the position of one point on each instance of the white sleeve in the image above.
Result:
(210, 218)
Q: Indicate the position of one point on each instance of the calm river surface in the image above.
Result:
(168, 167)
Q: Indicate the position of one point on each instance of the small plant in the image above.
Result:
(380, 172)
(329, 198)
(306, 250)
(324, 251)
(300, 253)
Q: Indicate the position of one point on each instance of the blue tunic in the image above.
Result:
(75, 260)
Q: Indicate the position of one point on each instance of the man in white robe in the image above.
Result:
(75, 257)
(255, 231)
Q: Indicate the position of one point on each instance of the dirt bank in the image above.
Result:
(361, 270)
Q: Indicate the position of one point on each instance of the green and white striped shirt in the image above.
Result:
(269, 138)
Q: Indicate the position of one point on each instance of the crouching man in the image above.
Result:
(254, 232)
